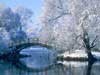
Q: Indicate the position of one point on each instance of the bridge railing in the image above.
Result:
(29, 40)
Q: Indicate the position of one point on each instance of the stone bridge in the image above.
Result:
(15, 48)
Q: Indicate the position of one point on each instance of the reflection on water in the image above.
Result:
(7, 68)
(41, 61)
(68, 68)
(95, 70)
(39, 57)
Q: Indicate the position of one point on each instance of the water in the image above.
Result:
(39, 57)
(42, 62)
(69, 68)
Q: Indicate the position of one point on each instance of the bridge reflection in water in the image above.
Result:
(69, 68)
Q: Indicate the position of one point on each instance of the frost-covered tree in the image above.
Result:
(11, 22)
(58, 24)
(87, 16)
(4, 40)
(63, 23)
(26, 16)
(86, 36)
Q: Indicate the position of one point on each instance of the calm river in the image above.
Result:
(69, 68)
(41, 62)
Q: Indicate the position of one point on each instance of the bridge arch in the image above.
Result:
(18, 48)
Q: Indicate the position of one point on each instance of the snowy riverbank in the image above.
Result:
(77, 55)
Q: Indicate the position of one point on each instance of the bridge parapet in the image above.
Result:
(31, 40)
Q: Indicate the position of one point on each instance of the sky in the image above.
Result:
(34, 5)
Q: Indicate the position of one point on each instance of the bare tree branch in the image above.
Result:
(61, 5)
(58, 16)
(93, 42)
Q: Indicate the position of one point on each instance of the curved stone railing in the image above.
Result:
(18, 46)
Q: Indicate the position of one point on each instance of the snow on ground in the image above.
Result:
(73, 63)
(80, 53)
(96, 55)
(74, 54)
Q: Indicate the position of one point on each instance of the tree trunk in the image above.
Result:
(91, 58)
(89, 68)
